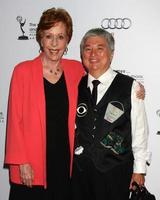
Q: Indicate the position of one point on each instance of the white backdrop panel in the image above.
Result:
(136, 54)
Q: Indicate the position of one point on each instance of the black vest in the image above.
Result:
(104, 130)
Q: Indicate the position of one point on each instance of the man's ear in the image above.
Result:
(111, 57)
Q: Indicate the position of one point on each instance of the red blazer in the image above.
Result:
(26, 127)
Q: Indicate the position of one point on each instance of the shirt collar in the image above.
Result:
(104, 78)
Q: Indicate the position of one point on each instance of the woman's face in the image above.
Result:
(54, 42)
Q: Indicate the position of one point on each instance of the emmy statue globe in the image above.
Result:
(22, 37)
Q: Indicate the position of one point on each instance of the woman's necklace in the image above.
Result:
(56, 72)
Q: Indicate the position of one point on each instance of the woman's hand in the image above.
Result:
(26, 174)
(138, 178)
(141, 92)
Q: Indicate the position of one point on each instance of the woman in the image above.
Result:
(43, 98)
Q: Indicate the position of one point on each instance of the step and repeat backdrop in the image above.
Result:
(136, 29)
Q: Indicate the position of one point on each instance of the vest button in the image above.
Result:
(95, 110)
(94, 127)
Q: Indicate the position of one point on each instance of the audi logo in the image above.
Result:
(116, 23)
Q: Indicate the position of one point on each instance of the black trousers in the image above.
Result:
(22, 192)
(88, 183)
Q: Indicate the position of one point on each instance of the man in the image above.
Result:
(111, 126)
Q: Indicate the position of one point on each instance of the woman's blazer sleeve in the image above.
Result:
(15, 144)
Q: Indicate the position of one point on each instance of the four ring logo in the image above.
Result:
(116, 23)
(82, 110)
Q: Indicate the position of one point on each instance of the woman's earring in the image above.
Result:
(66, 50)
(41, 47)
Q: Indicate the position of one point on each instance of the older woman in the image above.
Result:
(111, 134)
(41, 114)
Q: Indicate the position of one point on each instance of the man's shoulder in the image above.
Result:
(124, 78)
(83, 82)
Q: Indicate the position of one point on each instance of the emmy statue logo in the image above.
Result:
(22, 37)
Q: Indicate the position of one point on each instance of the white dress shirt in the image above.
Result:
(138, 119)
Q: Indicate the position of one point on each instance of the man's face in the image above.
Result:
(96, 55)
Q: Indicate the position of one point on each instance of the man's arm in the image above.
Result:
(139, 136)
